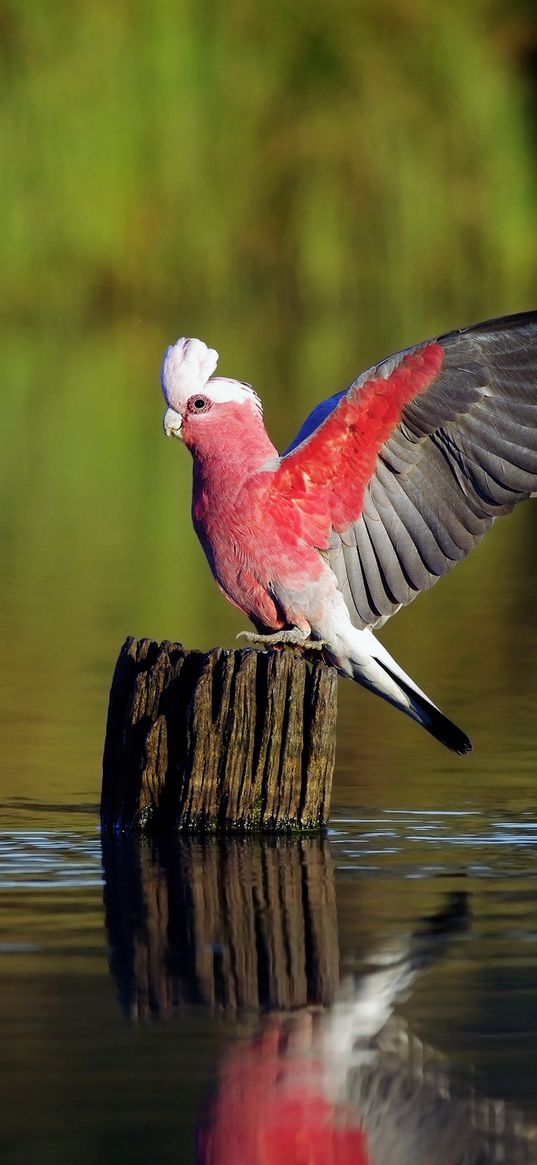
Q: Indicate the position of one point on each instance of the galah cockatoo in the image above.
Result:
(387, 485)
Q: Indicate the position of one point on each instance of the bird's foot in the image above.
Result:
(292, 636)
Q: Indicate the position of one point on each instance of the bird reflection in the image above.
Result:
(272, 1106)
(326, 1071)
(352, 1085)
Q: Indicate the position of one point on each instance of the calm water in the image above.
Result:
(371, 998)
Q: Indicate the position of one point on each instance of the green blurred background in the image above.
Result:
(307, 188)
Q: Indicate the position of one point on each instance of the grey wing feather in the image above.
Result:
(464, 452)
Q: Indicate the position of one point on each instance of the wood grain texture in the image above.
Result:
(224, 740)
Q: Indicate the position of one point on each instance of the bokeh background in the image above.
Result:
(307, 188)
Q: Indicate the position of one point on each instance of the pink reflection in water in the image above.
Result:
(273, 1106)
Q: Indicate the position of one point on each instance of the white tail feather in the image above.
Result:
(360, 655)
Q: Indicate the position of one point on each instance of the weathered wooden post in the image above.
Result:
(225, 740)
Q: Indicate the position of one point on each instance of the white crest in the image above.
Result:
(187, 368)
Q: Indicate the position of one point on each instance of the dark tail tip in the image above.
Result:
(445, 730)
(432, 719)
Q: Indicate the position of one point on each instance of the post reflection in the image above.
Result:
(230, 924)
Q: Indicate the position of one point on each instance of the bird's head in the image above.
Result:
(196, 399)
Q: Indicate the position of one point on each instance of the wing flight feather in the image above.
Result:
(408, 468)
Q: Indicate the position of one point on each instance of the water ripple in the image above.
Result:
(44, 860)
(483, 844)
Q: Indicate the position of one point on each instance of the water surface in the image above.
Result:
(138, 981)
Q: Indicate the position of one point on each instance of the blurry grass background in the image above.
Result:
(307, 188)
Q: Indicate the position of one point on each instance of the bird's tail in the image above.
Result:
(372, 666)
(430, 717)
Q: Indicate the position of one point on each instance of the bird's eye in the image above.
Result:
(198, 404)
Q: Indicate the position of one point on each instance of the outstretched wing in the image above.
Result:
(409, 467)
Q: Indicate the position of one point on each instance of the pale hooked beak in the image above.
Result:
(173, 423)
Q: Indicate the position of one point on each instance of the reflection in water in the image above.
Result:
(228, 924)
(332, 1075)
(318, 1089)
(352, 1085)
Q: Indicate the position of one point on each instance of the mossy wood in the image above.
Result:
(232, 740)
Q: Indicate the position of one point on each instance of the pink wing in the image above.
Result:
(412, 464)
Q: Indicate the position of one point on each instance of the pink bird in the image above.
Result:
(386, 487)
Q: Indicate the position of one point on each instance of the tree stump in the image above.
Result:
(224, 740)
